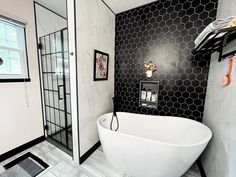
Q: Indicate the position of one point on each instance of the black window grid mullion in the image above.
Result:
(51, 53)
(48, 72)
(55, 91)
(55, 125)
(57, 109)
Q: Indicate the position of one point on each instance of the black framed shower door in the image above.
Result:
(56, 89)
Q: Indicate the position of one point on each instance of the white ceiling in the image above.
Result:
(118, 6)
(58, 6)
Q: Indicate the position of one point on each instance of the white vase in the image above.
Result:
(149, 73)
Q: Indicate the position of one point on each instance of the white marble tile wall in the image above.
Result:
(95, 30)
(219, 158)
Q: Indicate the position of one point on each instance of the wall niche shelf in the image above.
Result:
(148, 94)
(216, 41)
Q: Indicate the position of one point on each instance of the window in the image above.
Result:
(13, 50)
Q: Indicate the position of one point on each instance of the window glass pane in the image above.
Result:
(4, 53)
(11, 62)
(15, 55)
(47, 44)
(11, 36)
(53, 43)
(2, 32)
(5, 67)
(15, 66)
(11, 33)
(58, 42)
(65, 40)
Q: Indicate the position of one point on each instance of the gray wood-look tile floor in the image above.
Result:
(61, 164)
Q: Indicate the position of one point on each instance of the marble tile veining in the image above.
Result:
(61, 164)
(1, 169)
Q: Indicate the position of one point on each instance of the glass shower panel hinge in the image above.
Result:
(46, 127)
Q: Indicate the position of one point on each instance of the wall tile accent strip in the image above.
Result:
(163, 32)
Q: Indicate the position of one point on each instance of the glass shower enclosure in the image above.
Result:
(55, 74)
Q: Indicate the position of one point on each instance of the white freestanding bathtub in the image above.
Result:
(152, 146)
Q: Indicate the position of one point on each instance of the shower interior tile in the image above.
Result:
(1, 169)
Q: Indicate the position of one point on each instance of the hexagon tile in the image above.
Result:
(164, 32)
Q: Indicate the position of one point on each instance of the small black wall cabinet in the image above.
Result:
(148, 94)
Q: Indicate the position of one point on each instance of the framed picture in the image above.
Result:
(101, 61)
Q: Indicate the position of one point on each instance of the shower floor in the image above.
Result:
(60, 138)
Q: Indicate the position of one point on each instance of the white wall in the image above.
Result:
(95, 30)
(20, 124)
(219, 160)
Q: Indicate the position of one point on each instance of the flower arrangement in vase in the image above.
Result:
(149, 68)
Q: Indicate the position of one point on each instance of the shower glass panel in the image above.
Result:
(56, 88)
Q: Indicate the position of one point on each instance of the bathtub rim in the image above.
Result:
(205, 141)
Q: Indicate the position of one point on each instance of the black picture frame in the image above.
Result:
(103, 73)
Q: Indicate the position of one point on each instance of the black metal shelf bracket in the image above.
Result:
(221, 52)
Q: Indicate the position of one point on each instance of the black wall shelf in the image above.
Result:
(216, 41)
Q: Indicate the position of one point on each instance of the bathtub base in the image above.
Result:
(159, 147)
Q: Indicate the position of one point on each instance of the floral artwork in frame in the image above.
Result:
(101, 61)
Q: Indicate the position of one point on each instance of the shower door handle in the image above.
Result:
(59, 91)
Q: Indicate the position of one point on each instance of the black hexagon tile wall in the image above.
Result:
(163, 32)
